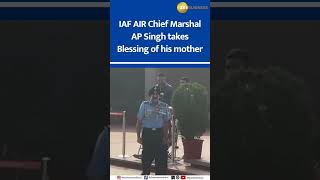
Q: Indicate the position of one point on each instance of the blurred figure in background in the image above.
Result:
(99, 166)
(262, 124)
(166, 89)
(184, 80)
(237, 60)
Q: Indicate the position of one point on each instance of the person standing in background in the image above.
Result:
(237, 60)
(166, 90)
(98, 167)
(184, 80)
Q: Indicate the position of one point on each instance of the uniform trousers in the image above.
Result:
(154, 149)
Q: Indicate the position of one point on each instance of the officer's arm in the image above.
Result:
(165, 129)
(170, 94)
(140, 116)
(169, 129)
(138, 129)
(169, 125)
(166, 126)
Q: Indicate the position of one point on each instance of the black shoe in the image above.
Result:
(138, 156)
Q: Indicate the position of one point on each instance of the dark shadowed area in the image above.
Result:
(53, 93)
(293, 46)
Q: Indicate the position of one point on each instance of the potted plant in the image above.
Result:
(191, 108)
(261, 115)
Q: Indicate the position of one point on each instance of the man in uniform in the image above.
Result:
(153, 120)
(184, 80)
(165, 95)
(166, 90)
(237, 60)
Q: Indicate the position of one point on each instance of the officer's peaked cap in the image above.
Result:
(155, 89)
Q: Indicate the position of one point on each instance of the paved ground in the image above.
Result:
(117, 170)
(132, 148)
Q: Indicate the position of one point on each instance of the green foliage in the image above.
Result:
(191, 108)
(263, 111)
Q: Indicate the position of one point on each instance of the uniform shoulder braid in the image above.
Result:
(145, 102)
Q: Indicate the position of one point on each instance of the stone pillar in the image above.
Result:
(150, 78)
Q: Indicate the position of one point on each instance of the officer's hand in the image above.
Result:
(165, 141)
(139, 140)
(168, 142)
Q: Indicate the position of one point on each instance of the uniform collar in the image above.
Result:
(150, 102)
